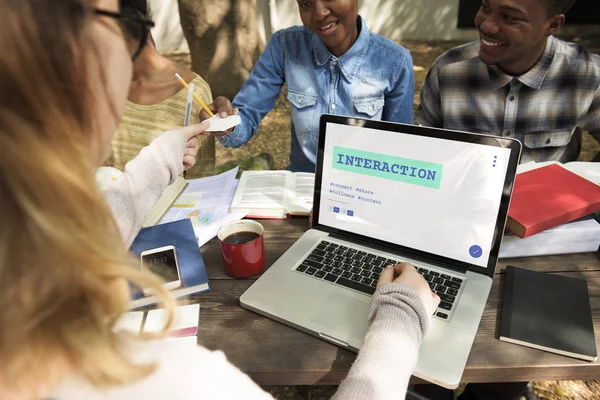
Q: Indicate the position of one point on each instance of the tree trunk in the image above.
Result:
(223, 39)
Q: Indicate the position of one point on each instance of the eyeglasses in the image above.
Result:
(134, 25)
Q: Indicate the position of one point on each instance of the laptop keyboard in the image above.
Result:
(360, 270)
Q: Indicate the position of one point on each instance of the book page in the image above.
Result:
(302, 191)
(305, 186)
(261, 189)
(204, 201)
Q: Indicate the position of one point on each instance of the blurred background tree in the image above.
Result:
(223, 39)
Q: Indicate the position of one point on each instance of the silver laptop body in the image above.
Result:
(385, 193)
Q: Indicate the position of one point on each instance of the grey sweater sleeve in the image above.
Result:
(133, 195)
(398, 324)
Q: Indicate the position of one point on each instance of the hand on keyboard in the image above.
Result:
(406, 274)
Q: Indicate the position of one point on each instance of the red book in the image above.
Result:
(550, 196)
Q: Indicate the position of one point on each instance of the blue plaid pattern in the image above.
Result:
(545, 108)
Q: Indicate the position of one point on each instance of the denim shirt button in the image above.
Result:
(334, 62)
(299, 99)
(371, 107)
(333, 106)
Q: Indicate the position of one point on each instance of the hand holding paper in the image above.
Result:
(225, 116)
(218, 124)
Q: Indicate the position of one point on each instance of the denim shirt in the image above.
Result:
(373, 79)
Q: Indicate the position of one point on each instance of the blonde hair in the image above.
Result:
(64, 271)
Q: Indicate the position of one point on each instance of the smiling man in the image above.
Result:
(518, 81)
(333, 64)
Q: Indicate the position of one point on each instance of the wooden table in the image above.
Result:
(275, 354)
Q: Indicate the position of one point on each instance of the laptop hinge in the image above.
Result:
(392, 250)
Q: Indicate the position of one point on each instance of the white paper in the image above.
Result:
(218, 124)
(186, 341)
(573, 237)
(587, 170)
(184, 317)
(130, 322)
(207, 232)
(206, 203)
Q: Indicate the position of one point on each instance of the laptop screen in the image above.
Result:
(426, 193)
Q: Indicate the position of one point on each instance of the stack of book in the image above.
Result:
(554, 210)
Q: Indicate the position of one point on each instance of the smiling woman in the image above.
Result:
(332, 64)
(335, 23)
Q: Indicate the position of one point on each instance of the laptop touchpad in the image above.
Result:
(343, 317)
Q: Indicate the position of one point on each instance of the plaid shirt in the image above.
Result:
(546, 108)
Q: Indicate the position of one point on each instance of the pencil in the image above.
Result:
(204, 106)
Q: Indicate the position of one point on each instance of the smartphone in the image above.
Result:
(162, 261)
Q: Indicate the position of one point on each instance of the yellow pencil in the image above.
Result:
(185, 85)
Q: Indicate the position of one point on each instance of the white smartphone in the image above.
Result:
(163, 262)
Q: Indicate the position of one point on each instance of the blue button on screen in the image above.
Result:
(475, 251)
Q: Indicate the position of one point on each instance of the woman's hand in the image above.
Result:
(406, 274)
(220, 106)
(191, 150)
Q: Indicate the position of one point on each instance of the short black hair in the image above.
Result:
(557, 7)
(141, 6)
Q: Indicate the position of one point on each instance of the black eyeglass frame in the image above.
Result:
(145, 23)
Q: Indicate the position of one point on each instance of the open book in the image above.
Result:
(273, 194)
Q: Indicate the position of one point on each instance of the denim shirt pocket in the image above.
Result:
(543, 139)
(371, 106)
(303, 110)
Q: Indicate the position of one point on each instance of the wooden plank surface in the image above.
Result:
(273, 354)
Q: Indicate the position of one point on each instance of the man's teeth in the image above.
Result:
(491, 43)
(328, 26)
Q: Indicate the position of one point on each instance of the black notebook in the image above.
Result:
(548, 312)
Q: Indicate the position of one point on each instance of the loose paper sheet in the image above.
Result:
(206, 203)
(218, 124)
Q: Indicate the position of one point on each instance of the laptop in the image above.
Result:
(388, 193)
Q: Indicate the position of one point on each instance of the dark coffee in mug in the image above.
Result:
(241, 237)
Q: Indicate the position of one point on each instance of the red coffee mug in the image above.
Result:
(243, 248)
